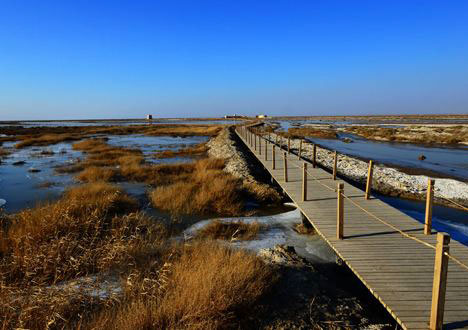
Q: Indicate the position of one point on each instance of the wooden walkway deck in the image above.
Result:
(396, 269)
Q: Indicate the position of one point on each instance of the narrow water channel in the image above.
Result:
(447, 161)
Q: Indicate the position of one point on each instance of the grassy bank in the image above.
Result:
(95, 231)
(44, 136)
(424, 134)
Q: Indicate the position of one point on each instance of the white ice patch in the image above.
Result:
(278, 230)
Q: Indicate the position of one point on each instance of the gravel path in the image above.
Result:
(223, 146)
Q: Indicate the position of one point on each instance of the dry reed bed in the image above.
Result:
(199, 149)
(303, 132)
(90, 231)
(232, 230)
(96, 230)
(200, 187)
(4, 152)
(42, 136)
(93, 229)
(415, 134)
(207, 286)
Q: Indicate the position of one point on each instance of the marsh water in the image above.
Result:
(447, 161)
(71, 123)
(28, 176)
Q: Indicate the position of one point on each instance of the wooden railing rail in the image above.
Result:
(442, 255)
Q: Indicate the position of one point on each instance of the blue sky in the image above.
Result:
(123, 59)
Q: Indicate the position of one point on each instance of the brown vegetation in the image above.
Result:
(91, 230)
(208, 286)
(46, 139)
(95, 174)
(207, 189)
(4, 152)
(232, 230)
(415, 134)
(95, 232)
(159, 130)
(43, 242)
(42, 136)
(302, 132)
(199, 149)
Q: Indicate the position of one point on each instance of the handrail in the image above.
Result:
(451, 257)
(451, 201)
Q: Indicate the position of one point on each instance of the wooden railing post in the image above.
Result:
(339, 211)
(335, 162)
(300, 150)
(255, 140)
(304, 182)
(314, 156)
(289, 145)
(259, 144)
(369, 178)
(285, 157)
(429, 200)
(440, 282)
(273, 160)
(266, 150)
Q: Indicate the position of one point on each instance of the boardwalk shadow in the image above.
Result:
(456, 325)
(384, 233)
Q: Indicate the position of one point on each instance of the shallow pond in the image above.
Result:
(117, 123)
(28, 176)
(25, 184)
(149, 145)
(451, 162)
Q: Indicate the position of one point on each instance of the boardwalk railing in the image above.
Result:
(442, 255)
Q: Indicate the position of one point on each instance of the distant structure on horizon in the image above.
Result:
(233, 116)
(149, 117)
(261, 116)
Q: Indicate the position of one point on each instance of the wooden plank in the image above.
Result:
(397, 270)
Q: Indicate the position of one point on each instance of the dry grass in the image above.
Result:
(232, 230)
(302, 132)
(4, 152)
(206, 190)
(46, 139)
(159, 130)
(103, 162)
(97, 174)
(414, 134)
(199, 149)
(209, 286)
(42, 136)
(67, 238)
(91, 230)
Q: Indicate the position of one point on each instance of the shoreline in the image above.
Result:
(388, 180)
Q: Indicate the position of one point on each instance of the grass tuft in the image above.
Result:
(199, 149)
(232, 230)
(209, 286)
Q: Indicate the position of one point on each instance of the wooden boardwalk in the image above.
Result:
(398, 270)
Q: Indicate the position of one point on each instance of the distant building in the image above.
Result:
(261, 116)
(149, 117)
(233, 116)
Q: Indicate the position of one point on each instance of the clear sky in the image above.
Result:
(69, 59)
